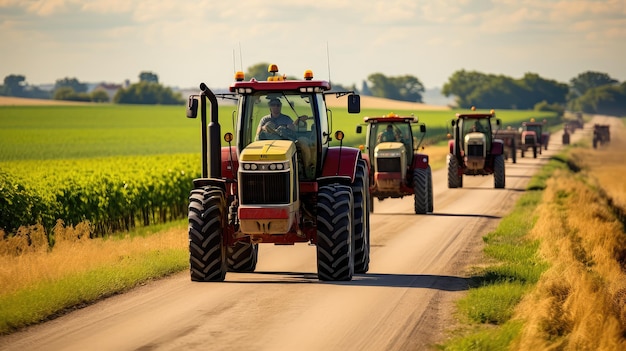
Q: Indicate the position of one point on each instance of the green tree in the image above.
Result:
(148, 77)
(605, 99)
(99, 96)
(464, 86)
(72, 83)
(589, 80)
(403, 88)
(14, 85)
(147, 93)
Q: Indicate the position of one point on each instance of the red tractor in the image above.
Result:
(474, 150)
(533, 137)
(397, 168)
(279, 182)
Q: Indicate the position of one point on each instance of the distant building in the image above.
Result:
(110, 88)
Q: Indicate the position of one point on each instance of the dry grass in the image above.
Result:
(26, 260)
(580, 301)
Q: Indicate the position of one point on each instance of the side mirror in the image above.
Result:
(423, 128)
(498, 122)
(359, 129)
(354, 103)
(192, 107)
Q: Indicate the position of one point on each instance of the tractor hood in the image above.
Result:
(391, 146)
(268, 150)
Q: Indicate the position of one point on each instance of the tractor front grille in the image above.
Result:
(530, 139)
(257, 188)
(391, 164)
(475, 150)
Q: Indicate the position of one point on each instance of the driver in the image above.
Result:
(272, 127)
(274, 120)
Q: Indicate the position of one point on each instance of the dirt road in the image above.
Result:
(418, 268)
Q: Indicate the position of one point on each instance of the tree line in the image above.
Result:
(590, 91)
(147, 91)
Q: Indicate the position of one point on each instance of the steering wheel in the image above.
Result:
(281, 131)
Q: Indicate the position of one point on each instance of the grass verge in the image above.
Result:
(41, 283)
(554, 277)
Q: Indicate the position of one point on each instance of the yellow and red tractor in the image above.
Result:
(474, 150)
(277, 182)
(397, 168)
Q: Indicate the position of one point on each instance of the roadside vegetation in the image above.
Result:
(554, 274)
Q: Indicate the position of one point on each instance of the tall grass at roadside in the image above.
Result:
(38, 283)
(574, 295)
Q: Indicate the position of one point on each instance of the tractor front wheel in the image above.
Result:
(361, 219)
(454, 179)
(335, 256)
(207, 249)
(498, 172)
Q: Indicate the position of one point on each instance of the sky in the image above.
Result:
(344, 41)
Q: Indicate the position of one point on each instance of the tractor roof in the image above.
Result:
(391, 118)
(475, 115)
(277, 82)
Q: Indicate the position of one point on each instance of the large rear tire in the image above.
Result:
(207, 250)
(335, 256)
(498, 172)
(242, 257)
(360, 192)
(454, 179)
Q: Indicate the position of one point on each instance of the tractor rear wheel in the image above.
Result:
(361, 219)
(335, 256)
(498, 172)
(207, 250)
(454, 179)
(242, 257)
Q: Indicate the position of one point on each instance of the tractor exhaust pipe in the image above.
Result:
(211, 145)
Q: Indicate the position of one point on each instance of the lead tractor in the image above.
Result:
(397, 168)
(474, 150)
(278, 182)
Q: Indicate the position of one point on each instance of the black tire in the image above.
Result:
(207, 251)
(454, 179)
(360, 192)
(498, 172)
(420, 190)
(431, 205)
(242, 257)
(522, 150)
(534, 152)
(335, 256)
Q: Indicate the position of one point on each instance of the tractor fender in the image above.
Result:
(341, 162)
(497, 147)
(419, 161)
(451, 146)
(230, 163)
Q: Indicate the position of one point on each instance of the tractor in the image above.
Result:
(397, 168)
(533, 137)
(510, 138)
(601, 134)
(474, 150)
(277, 182)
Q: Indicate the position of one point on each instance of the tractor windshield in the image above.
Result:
(479, 125)
(382, 132)
(282, 115)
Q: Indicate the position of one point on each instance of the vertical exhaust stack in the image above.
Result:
(211, 163)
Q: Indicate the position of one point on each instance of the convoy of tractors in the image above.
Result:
(279, 180)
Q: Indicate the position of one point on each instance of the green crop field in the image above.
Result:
(118, 166)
